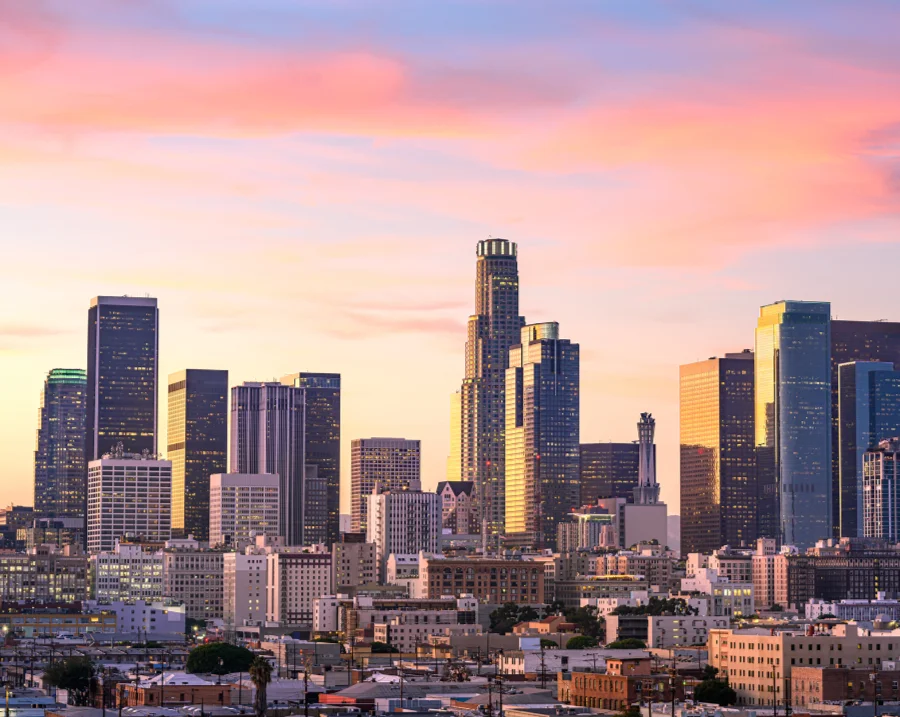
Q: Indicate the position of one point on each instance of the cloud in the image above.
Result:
(28, 331)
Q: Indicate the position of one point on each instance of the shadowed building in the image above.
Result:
(608, 470)
(393, 464)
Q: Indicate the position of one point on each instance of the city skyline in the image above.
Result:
(658, 198)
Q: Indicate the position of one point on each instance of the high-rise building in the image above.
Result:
(608, 470)
(197, 444)
(242, 506)
(123, 348)
(355, 563)
(869, 412)
(268, 436)
(718, 458)
(492, 331)
(403, 522)
(128, 495)
(542, 440)
(647, 490)
(323, 449)
(60, 490)
(854, 341)
(390, 463)
(244, 587)
(295, 579)
(792, 406)
(881, 491)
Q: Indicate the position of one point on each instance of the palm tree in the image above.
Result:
(261, 675)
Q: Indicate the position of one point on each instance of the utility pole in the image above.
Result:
(306, 688)
(543, 667)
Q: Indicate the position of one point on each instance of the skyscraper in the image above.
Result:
(718, 459)
(267, 436)
(793, 420)
(197, 445)
(123, 345)
(403, 522)
(60, 488)
(647, 490)
(881, 491)
(608, 470)
(869, 412)
(323, 441)
(392, 464)
(542, 446)
(492, 330)
(855, 341)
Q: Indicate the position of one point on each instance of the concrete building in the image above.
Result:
(571, 592)
(194, 576)
(54, 531)
(587, 528)
(348, 615)
(403, 522)
(730, 599)
(884, 609)
(242, 506)
(626, 681)
(156, 620)
(670, 631)
(391, 464)
(129, 572)
(762, 565)
(174, 689)
(45, 574)
(881, 491)
(244, 587)
(295, 578)
(818, 686)
(490, 580)
(458, 506)
(534, 664)
(129, 495)
(406, 631)
(354, 563)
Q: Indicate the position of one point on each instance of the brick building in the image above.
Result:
(624, 682)
(489, 580)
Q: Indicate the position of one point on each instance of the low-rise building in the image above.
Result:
(52, 623)
(45, 574)
(173, 689)
(729, 599)
(819, 685)
(489, 580)
(571, 592)
(407, 630)
(194, 576)
(625, 682)
(535, 664)
(669, 631)
(148, 620)
(128, 572)
(858, 610)
(347, 615)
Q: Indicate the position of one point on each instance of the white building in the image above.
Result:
(406, 630)
(148, 620)
(128, 495)
(127, 572)
(403, 570)
(193, 576)
(858, 610)
(668, 631)
(403, 522)
(295, 577)
(528, 662)
(726, 598)
(325, 612)
(605, 605)
(242, 506)
(244, 587)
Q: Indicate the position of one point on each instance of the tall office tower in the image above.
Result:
(718, 460)
(323, 441)
(454, 459)
(855, 341)
(792, 407)
(647, 490)
(123, 348)
(197, 445)
(241, 507)
(881, 491)
(869, 412)
(267, 436)
(608, 470)
(390, 463)
(542, 446)
(403, 523)
(128, 495)
(492, 331)
(60, 490)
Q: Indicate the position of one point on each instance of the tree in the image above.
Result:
(261, 675)
(715, 691)
(629, 643)
(586, 620)
(74, 674)
(383, 647)
(506, 616)
(581, 642)
(828, 616)
(219, 658)
(776, 608)
(657, 606)
(709, 672)
(548, 644)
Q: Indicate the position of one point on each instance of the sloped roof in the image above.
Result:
(457, 486)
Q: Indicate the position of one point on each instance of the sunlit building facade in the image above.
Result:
(793, 421)
(59, 467)
(393, 464)
(717, 457)
(197, 440)
(542, 435)
(123, 348)
(492, 331)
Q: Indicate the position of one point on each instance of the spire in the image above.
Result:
(647, 491)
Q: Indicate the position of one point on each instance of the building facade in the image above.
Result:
(296, 578)
(242, 506)
(392, 464)
(792, 388)
(717, 455)
(881, 491)
(489, 580)
(608, 470)
(128, 495)
(128, 572)
(44, 575)
(195, 577)
(60, 489)
(123, 360)
(197, 443)
(355, 563)
(492, 330)
(268, 435)
(244, 588)
(457, 506)
(403, 522)
(542, 482)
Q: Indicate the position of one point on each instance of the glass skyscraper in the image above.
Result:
(323, 450)
(718, 457)
(868, 413)
(60, 470)
(123, 345)
(793, 421)
(197, 445)
(492, 330)
(542, 435)
(608, 470)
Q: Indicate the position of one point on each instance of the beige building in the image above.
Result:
(757, 663)
(194, 577)
(406, 630)
(354, 563)
(764, 573)
(296, 577)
